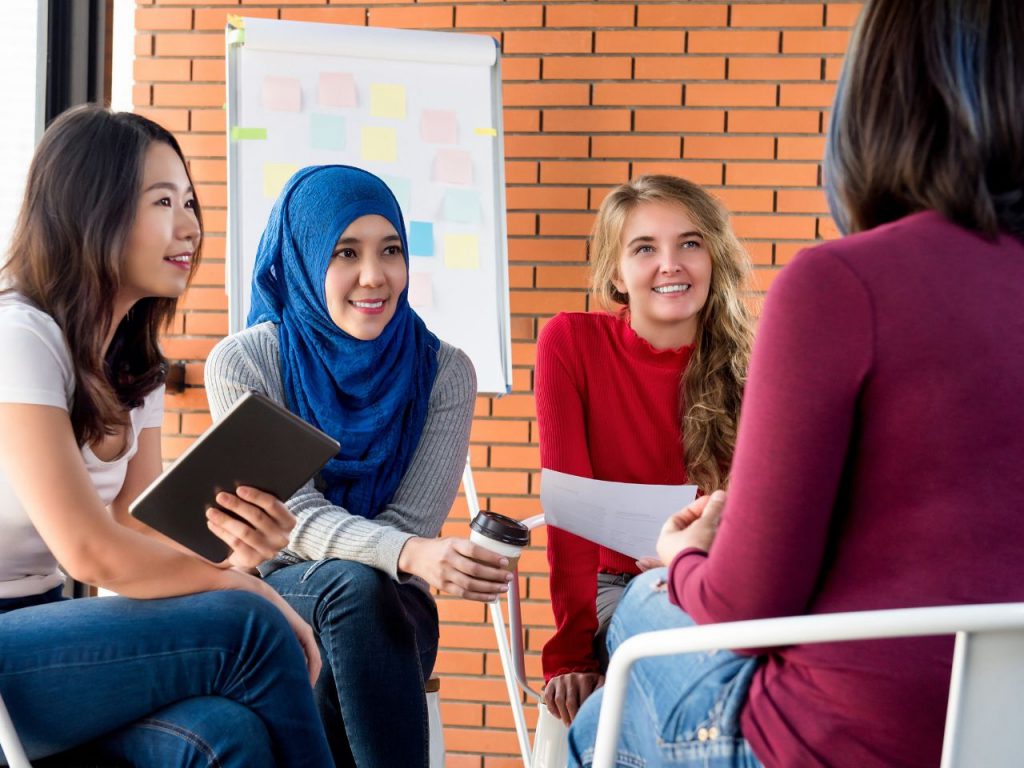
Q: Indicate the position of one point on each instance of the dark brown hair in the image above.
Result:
(67, 257)
(711, 387)
(929, 115)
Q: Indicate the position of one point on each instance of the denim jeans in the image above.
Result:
(680, 710)
(212, 679)
(378, 639)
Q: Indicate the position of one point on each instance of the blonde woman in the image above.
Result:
(648, 392)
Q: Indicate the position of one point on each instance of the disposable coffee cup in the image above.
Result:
(500, 534)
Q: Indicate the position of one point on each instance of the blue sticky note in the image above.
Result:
(326, 131)
(421, 238)
(462, 205)
(401, 188)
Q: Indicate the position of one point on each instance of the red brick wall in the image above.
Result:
(732, 95)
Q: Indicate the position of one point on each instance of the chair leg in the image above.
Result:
(436, 728)
(9, 742)
(550, 741)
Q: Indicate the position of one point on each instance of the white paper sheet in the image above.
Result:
(626, 517)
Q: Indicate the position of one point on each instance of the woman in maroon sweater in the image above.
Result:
(647, 395)
(879, 460)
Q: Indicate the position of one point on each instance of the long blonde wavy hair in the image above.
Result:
(711, 387)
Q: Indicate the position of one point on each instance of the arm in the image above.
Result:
(813, 353)
(573, 561)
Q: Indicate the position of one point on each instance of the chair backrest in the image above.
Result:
(9, 742)
(985, 718)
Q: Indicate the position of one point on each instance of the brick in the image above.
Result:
(520, 69)
(217, 18)
(177, 348)
(212, 195)
(520, 276)
(208, 70)
(776, 15)
(534, 249)
(192, 399)
(699, 173)
(195, 423)
(480, 740)
(842, 14)
(587, 68)
(746, 200)
(773, 121)
(679, 120)
(583, 172)
(588, 120)
(156, 70)
(730, 95)
(521, 224)
(729, 147)
(203, 144)
(546, 146)
(545, 302)
(832, 69)
(760, 252)
(517, 507)
(209, 272)
(503, 482)
(521, 120)
(187, 95)
(827, 229)
(806, 95)
(142, 95)
(523, 354)
(774, 226)
(454, 609)
(204, 298)
(785, 252)
(639, 40)
(519, 172)
(206, 324)
(801, 147)
(564, 277)
(545, 94)
(174, 120)
(763, 277)
(555, 224)
(500, 431)
(548, 41)
(215, 221)
(638, 94)
(819, 41)
(802, 201)
(522, 329)
(208, 170)
(635, 147)
(458, 713)
(772, 174)
(514, 456)
(538, 198)
(416, 17)
(733, 41)
(589, 16)
(680, 15)
(774, 68)
(209, 120)
(353, 16)
(680, 67)
(143, 45)
(190, 44)
(147, 19)
(499, 17)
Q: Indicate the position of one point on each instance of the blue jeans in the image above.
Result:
(680, 710)
(378, 639)
(212, 679)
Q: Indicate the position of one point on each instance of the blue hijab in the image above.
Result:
(370, 396)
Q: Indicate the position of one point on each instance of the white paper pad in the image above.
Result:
(626, 517)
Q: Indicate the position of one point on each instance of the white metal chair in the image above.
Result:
(10, 745)
(986, 691)
(436, 728)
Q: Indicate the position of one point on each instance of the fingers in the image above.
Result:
(258, 517)
(647, 563)
(713, 509)
(464, 577)
(242, 555)
(312, 652)
(565, 694)
(269, 503)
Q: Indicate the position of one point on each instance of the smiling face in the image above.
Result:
(165, 232)
(665, 269)
(366, 276)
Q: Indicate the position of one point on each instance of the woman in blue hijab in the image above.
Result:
(332, 336)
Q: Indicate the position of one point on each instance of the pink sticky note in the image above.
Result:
(438, 126)
(282, 94)
(454, 166)
(421, 291)
(337, 89)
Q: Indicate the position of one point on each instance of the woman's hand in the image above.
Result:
(647, 563)
(259, 533)
(565, 694)
(457, 567)
(694, 526)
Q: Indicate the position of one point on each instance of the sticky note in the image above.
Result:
(462, 251)
(336, 89)
(326, 131)
(462, 205)
(485, 131)
(380, 144)
(454, 166)
(387, 100)
(402, 190)
(282, 94)
(421, 238)
(421, 290)
(439, 126)
(275, 176)
(238, 133)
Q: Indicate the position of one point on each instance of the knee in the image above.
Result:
(353, 587)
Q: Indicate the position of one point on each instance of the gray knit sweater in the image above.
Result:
(250, 360)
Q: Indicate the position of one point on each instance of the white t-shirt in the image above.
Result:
(36, 368)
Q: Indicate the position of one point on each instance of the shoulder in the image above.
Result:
(456, 375)
(257, 345)
(27, 331)
(578, 328)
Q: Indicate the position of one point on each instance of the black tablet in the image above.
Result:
(257, 443)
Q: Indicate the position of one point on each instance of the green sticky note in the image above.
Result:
(326, 131)
(462, 205)
(387, 100)
(275, 176)
(462, 251)
(402, 190)
(248, 134)
(380, 144)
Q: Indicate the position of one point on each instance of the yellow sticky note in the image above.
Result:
(485, 131)
(387, 100)
(380, 144)
(275, 176)
(462, 251)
